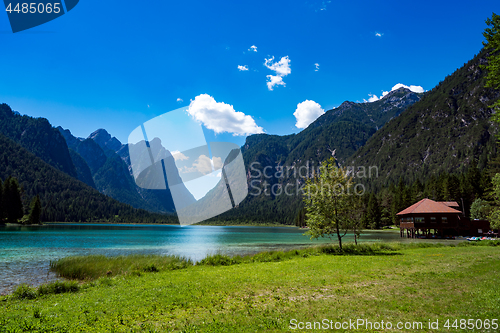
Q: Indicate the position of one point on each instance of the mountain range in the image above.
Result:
(276, 163)
(108, 163)
(446, 131)
(406, 135)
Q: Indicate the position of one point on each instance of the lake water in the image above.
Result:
(26, 252)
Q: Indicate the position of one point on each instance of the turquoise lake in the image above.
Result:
(26, 252)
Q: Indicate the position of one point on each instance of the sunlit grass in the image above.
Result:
(397, 282)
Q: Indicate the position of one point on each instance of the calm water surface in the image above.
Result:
(26, 252)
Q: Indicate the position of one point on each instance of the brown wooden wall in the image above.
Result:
(454, 220)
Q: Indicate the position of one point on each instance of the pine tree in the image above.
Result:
(36, 211)
(492, 35)
(12, 203)
(394, 211)
(431, 188)
(1, 202)
(385, 206)
(6, 199)
(417, 191)
(373, 212)
(300, 219)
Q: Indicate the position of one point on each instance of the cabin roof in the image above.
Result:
(450, 203)
(430, 206)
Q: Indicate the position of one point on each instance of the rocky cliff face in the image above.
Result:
(111, 173)
(447, 130)
(105, 140)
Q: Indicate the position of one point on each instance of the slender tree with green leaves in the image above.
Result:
(479, 209)
(328, 200)
(355, 216)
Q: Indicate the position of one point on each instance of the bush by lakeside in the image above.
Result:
(263, 292)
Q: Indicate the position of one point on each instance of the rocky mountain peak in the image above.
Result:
(104, 140)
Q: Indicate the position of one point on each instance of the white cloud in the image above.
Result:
(274, 80)
(307, 112)
(415, 89)
(178, 156)
(253, 48)
(221, 117)
(378, 34)
(281, 68)
(180, 100)
(317, 67)
(373, 98)
(243, 68)
(217, 162)
(204, 165)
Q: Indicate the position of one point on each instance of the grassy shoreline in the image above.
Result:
(398, 282)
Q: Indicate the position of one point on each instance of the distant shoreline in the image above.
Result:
(152, 224)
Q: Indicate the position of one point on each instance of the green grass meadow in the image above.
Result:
(394, 283)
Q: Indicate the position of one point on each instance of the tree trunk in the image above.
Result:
(339, 237)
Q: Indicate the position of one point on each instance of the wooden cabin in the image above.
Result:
(438, 219)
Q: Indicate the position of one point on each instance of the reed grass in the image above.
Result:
(88, 268)
(95, 266)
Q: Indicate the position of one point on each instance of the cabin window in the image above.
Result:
(419, 220)
(433, 219)
(444, 219)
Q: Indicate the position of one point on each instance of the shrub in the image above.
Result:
(216, 260)
(24, 291)
(151, 268)
(58, 287)
(37, 313)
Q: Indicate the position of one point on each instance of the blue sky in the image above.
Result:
(117, 64)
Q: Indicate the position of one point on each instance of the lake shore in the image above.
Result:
(26, 251)
(221, 224)
(413, 283)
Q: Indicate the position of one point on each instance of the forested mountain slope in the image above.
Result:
(340, 131)
(63, 197)
(444, 132)
(37, 136)
(111, 173)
